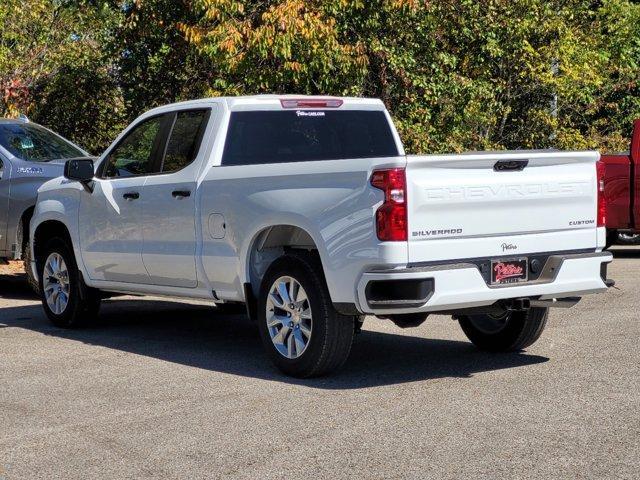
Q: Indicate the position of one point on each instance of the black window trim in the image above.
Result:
(158, 163)
(158, 154)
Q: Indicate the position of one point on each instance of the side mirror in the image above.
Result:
(79, 169)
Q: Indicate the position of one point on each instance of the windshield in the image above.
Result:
(34, 143)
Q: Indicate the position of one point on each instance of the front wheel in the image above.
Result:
(67, 301)
(301, 331)
(507, 332)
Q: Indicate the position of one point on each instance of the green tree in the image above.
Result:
(155, 65)
(276, 47)
(598, 83)
(456, 75)
(81, 102)
(53, 67)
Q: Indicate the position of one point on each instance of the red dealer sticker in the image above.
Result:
(509, 271)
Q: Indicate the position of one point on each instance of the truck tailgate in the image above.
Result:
(491, 204)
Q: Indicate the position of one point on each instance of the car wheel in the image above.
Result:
(507, 332)
(67, 301)
(301, 331)
(628, 239)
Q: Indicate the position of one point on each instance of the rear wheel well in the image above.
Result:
(272, 243)
(44, 232)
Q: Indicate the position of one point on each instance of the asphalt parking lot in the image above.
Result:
(161, 389)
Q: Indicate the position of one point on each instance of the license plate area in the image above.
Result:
(509, 271)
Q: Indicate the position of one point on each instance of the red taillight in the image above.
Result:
(311, 103)
(602, 202)
(391, 217)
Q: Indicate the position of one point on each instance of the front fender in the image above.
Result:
(58, 205)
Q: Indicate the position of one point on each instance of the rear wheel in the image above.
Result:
(507, 332)
(301, 331)
(67, 301)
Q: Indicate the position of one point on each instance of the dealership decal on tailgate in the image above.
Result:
(509, 271)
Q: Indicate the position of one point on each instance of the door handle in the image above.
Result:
(181, 193)
(131, 196)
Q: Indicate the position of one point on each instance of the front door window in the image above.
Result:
(134, 154)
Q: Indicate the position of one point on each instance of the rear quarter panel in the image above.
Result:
(331, 200)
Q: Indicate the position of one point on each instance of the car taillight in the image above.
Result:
(602, 202)
(311, 103)
(391, 217)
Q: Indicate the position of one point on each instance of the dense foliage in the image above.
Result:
(456, 74)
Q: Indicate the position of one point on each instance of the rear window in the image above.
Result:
(33, 143)
(307, 135)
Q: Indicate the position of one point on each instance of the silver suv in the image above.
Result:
(29, 156)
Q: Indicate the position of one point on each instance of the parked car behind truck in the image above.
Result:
(622, 189)
(308, 211)
(29, 156)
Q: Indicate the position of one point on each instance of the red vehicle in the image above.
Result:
(622, 189)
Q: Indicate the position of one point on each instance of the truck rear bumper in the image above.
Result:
(442, 288)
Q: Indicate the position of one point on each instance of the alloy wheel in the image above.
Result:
(289, 319)
(55, 283)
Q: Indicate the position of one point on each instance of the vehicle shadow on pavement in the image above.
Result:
(197, 336)
(15, 287)
(625, 252)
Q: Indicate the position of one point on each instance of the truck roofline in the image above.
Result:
(265, 100)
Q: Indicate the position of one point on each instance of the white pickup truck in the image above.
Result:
(308, 211)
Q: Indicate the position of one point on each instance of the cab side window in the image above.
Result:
(134, 154)
(184, 140)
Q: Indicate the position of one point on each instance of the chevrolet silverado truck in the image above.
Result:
(622, 189)
(307, 211)
(29, 156)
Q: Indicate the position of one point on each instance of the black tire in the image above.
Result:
(627, 239)
(332, 333)
(83, 303)
(32, 280)
(512, 332)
